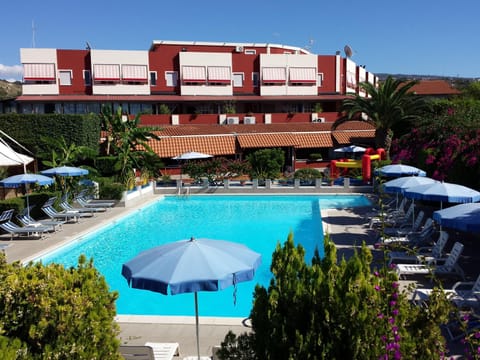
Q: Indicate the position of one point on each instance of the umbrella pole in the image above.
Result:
(196, 325)
(28, 203)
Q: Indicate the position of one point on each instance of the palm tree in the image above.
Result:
(126, 139)
(388, 105)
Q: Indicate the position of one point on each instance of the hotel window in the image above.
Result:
(255, 79)
(87, 78)
(171, 78)
(237, 79)
(153, 78)
(39, 73)
(65, 77)
(320, 79)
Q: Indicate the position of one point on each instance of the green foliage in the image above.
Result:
(336, 310)
(388, 105)
(307, 174)
(58, 313)
(110, 190)
(12, 349)
(164, 109)
(230, 107)
(266, 163)
(105, 165)
(27, 129)
(16, 203)
(58, 152)
(316, 156)
(446, 143)
(237, 347)
(318, 108)
(215, 169)
(125, 139)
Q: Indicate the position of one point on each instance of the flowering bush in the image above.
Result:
(447, 146)
(337, 310)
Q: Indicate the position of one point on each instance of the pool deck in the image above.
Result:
(346, 228)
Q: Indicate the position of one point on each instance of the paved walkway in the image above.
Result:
(346, 227)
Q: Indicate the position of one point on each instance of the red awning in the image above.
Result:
(39, 72)
(106, 72)
(219, 74)
(303, 75)
(194, 74)
(134, 73)
(273, 75)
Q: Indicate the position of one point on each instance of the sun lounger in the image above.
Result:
(405, 228)
(395, 218)
(14, 230)
(132, 352)
(421, 254)
(450, 266)
(163, 351)
(82, 201)
(63, 215)
(150, 351)
(27, 220)
(462, 294)
(67, 207)
(411, 239)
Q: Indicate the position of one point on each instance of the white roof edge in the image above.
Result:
(213, 43)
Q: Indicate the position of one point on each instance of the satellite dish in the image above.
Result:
(348, 51)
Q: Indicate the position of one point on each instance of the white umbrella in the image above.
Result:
(192, 155)
(9, 157)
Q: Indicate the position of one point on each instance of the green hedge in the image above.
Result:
(82, 130)
(36, 200)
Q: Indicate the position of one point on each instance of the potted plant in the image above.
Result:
(317, 108)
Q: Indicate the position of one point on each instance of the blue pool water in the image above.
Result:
(259, 222)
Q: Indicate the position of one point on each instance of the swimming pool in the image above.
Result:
(256, 221)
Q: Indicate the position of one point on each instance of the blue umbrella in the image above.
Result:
(191, 266)
(443, 192)
(403, 183)
(26, 179)
(397, 170)
(463, 217)
(65, 171)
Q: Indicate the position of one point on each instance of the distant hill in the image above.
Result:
(9, 90)
(383, 76)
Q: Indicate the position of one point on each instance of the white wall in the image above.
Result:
(286, 61)
(40, 56)
(119, 57)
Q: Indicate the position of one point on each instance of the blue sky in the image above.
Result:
(427, 37)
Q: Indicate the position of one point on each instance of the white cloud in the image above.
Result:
(12, 73)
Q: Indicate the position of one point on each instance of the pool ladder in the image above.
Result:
(185, 193)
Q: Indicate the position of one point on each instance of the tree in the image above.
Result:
(126, 140)
(266, 163)
(333, 309)
(58, 313)
(57, 152)
(445, 143)
(390, 104)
